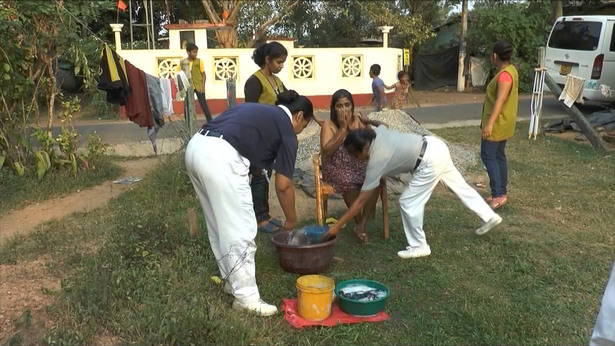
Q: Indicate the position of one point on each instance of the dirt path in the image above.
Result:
(25, 220)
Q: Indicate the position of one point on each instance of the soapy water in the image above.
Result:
(362, 293)
(307, 235)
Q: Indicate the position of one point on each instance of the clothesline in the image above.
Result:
(144, 99)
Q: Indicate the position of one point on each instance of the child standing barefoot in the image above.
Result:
(402, 89)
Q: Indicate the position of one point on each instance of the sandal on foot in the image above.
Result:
(332, 221)
(269, 227)
(276, 222)
(498, 202)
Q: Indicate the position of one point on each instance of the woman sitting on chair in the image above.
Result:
(342, 171)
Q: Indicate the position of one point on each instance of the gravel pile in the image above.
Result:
(309, 144)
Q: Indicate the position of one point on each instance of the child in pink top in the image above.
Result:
(402, 89)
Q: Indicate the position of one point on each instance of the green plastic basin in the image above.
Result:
(359, 308)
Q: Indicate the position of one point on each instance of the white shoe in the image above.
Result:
(487, 226)
(415, 252)
(228, 289)
(259, 307)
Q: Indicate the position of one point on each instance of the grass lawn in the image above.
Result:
(18, 191)
(131, 273)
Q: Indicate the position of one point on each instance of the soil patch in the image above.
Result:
(24, 220)
(25, 290)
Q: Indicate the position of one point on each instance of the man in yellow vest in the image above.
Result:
(195, 70)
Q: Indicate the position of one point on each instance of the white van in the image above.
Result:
(583, 46)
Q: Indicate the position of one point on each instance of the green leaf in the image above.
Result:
(6, 76)
(40, 165)
(19, 168)
(2, 158)
(6, 67)
(47, 160)
(73, 161)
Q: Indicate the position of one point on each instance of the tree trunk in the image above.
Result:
(53, 92)
(51, 100)
(168, 11)
(557, 9)
(227, 38)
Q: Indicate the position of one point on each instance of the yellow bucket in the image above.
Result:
(314, 297)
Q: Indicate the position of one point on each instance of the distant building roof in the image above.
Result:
(371, 41)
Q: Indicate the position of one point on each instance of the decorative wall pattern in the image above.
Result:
(352, 65)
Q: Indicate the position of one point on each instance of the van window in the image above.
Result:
(575, 35)
(612, 48)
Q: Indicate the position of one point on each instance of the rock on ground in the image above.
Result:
(397, 120)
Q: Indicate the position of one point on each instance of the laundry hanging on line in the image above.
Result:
(113, 78)
(143, 98)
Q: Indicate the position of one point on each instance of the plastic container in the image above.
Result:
(305, 259)
(362, 308)
(314, 297)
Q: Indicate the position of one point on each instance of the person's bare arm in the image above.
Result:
(286, 196)
(329, 141)
(389, 87)
(503, 91)
(383, 97)
(354, 209)
(319, 121)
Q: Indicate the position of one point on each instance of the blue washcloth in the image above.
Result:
(316, 233)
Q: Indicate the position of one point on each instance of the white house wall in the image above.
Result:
(324, 78)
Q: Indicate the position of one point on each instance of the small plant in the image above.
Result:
(68, 139)
(96, 149)
(101, 108)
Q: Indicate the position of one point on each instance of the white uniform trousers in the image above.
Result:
(604, 331)
(219, 175)
(435, 166)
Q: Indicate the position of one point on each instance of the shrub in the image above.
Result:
(525, 25)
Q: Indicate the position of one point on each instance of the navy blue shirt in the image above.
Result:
(261, 133)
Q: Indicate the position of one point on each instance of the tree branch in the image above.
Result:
(213, 16)
(234, 11)
(263, 27)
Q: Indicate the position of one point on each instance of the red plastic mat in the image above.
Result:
(337, 316)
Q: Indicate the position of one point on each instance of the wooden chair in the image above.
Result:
(323, 190)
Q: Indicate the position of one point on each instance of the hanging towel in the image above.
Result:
(154, 95)
(167, 101)
(138, 109)
(573, 90)
(113, 78)
(183, 79)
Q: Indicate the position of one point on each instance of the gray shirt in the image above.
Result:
(390, 154)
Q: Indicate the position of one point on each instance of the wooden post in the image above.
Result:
(577, 116)
(462, 47)
(319, 202)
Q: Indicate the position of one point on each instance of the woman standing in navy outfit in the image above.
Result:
(218, 160)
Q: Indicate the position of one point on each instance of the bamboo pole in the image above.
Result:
(577, 116)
